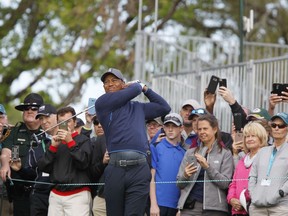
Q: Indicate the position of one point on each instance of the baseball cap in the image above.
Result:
(174, 118)
(259, 113)
(158, 120)
(113, 71)
(79, 122)
(192, 103)
(32, 99)
(197, 112)
(2, 110)
(46, 110)
(281, 115)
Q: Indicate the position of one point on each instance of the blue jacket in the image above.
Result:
(123, 120)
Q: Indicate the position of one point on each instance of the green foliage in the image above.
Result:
(66, 41)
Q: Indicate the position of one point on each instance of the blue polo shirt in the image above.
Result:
(166, 160)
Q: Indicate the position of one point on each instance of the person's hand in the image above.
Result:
(274, 99)
(209, 100)
(227, 95)
(236, 205)
(88, 119)
(55, 141)
(284, 96)
(5, 171)
(154, 210)
(106, 158)
(202, 161)
(237, 147)
(64, 135)
(189, 170)
(15, 164)
(160, 137)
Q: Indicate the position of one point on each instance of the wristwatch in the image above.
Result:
(281, 193)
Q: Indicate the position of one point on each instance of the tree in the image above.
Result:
(58, 45)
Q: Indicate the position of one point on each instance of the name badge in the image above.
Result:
(266, 182)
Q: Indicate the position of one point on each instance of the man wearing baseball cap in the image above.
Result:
(187, 107)
(259, 113)
(123, 121)
(19, 140)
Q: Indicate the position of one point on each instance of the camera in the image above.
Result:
(277, 88)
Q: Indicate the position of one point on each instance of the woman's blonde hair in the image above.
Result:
(258, 130)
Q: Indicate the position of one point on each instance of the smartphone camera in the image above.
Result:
(237, 121)
(223, 82)
(63, 126)
(213, 84)
(277, 88)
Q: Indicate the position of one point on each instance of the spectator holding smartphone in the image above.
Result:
(275, 99)
(67, 161)
(255, 137)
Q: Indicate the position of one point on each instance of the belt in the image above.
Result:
(124, 163)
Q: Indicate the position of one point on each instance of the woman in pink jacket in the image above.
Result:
(255, 137)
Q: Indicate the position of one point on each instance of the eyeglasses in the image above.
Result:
(280, 126)
(173, 118)
(153, 124)
(198, 111)
(30, 108)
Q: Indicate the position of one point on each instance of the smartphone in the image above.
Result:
(15, 153)
(192, 160)
(162, 131)
(64, 126)
(277, 88)
(91, 102)
(223, 82)
(238, 136)
(213, 84)
(237, 121)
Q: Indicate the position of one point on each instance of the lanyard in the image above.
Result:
(271, 161)
(43, 146)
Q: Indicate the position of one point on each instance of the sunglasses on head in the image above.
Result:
(280, 126)
(30, 108)
(198, 111)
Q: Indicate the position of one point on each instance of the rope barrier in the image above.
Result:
(162, 182)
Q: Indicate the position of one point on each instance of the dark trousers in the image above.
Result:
(166, 211)
(21, 205)
(39, 204)
(126, 189)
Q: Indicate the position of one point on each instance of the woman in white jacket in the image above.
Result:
(205, 173)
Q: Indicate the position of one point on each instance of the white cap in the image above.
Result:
(174, 118)
(192, 103)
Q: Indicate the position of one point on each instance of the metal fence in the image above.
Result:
(250, 82)
(161, 54)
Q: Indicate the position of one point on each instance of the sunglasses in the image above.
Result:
(199, 111)
(280, 126)
(30, 108)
